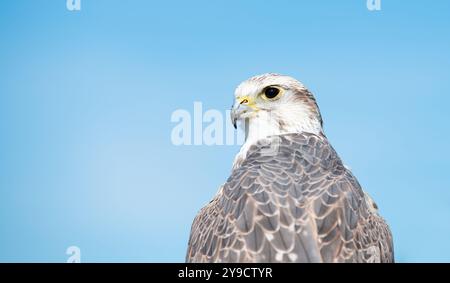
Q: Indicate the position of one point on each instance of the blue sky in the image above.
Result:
(86, 99)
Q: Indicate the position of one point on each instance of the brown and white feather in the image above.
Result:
(299, 205)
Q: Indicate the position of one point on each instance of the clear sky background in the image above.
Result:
(86, 98)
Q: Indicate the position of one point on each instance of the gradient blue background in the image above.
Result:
(86, 99)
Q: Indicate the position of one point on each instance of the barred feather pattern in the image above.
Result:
(300, 204)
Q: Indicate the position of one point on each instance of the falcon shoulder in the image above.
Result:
(298, 205)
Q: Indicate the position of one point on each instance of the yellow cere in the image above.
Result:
(248, 101)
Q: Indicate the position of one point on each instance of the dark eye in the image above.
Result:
(271, 92)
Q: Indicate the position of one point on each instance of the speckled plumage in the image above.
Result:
(299, 205)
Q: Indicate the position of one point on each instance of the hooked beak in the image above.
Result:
(234, 116)
(241, 106)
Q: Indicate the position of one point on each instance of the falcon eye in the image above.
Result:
(271, 92)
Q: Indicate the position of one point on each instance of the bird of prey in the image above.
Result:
(289, 197)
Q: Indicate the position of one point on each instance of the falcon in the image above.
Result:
(289, 197)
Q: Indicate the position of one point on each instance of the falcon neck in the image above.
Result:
(265, 125)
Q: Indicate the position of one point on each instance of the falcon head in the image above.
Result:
(273, 104)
